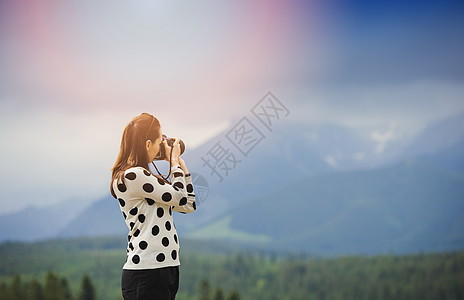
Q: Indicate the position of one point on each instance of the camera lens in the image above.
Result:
(170, 141)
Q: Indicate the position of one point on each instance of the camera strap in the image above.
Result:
(170, 166)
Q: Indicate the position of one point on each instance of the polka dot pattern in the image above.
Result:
(183, 201)
(122, 187)
(143, 245)
(155, 230)
(131, 176)
(160, 212)
(179, 185)
(160, 257)
(147, 205)
(141, 218)
(166, 197)
(148, 187)
(168, 225)
(136, 259)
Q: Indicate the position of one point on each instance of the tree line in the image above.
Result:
(409, 277)
(57, 288)
(54, 288)
(244, 275)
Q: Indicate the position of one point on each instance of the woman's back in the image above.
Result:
(147, 205)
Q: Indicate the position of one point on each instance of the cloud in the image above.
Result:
(111, 54)
(407, 108)
(359, 155)
(74, 74)
(382, 139)
(330, 160)
(50, 155)
(391, 43)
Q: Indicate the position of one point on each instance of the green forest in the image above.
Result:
(90, 268)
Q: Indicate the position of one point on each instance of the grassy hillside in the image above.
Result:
(212, 269)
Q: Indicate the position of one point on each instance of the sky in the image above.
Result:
(75, 72)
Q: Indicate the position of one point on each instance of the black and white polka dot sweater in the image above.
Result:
(147, 204)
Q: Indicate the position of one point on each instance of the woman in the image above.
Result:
(151, 270)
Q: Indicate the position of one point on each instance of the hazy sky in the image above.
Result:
(75, 72)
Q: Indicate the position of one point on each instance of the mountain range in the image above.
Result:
(322, 189)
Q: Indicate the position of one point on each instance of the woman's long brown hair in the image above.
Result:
(133, 152)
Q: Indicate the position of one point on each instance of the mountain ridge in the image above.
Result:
(228, 201)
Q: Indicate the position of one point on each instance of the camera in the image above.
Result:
(170, 141)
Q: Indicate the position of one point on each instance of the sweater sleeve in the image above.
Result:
(190, 206)
(142, 183)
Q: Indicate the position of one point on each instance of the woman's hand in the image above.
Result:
(174, 158)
